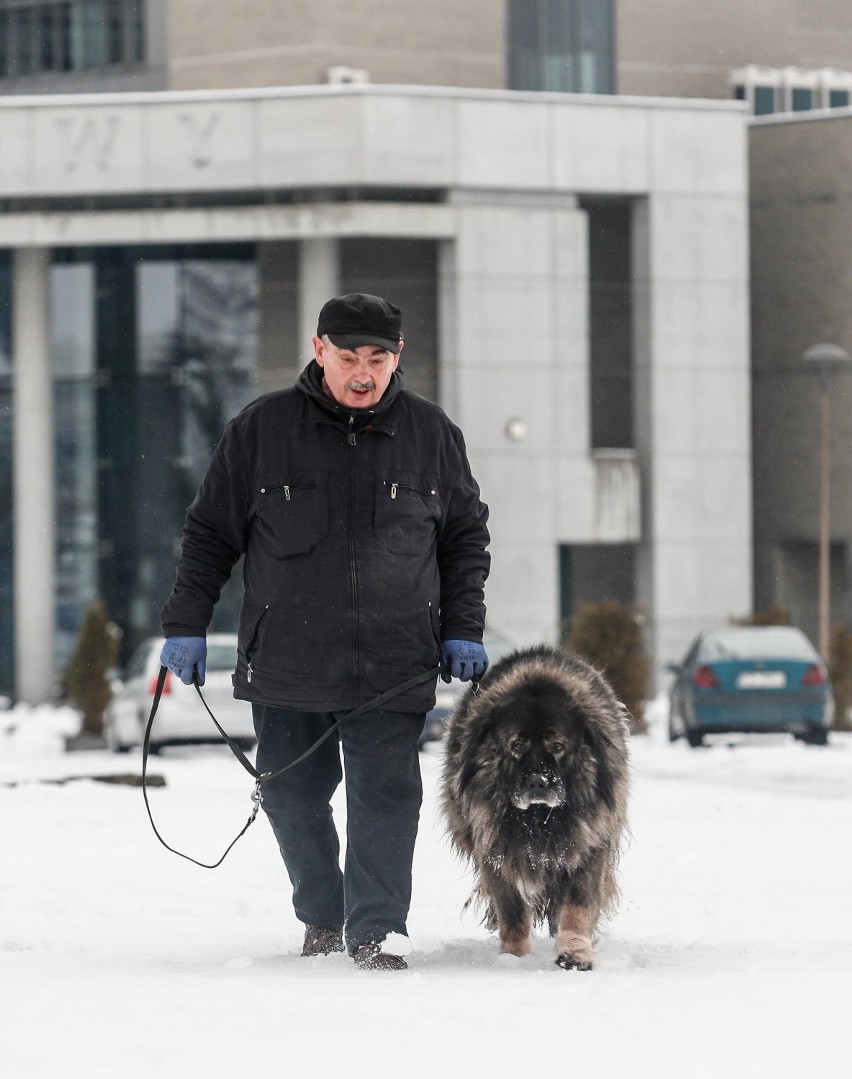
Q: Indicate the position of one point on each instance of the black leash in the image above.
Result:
(259, 777)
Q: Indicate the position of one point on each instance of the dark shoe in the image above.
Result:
(323, 939)
(371, 957)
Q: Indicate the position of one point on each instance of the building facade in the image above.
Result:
(142, 224)
(555, 256)
(801, 298)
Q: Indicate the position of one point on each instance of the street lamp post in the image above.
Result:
(827, 361)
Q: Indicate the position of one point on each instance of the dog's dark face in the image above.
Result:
(536, 743)
(534, 761)
(543, 738)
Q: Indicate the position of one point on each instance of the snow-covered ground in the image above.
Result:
(731, 955)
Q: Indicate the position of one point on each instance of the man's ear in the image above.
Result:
(319, 350)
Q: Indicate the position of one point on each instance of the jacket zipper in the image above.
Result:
(394, 487)
(353, 442)
(287, 488)
(253, 642)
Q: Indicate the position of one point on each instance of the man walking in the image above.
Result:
(365, 561)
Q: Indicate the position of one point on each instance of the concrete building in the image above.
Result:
(661, 48)
(555, 255)
(174, 247)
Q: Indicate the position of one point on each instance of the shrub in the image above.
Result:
(840, 674)
(86, 674)
(776, 615)
(609, 636)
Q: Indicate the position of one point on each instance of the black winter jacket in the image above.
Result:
(364, 539)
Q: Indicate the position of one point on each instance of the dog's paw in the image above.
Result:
(575, 961)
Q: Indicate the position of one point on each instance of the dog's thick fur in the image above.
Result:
(534, 791)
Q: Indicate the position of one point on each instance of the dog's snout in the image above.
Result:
(539, 788)
(538, 784)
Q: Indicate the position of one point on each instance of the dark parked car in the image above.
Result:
(751, 679)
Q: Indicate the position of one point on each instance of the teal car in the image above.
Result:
(751, 679)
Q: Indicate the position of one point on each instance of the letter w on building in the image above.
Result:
(88, 141)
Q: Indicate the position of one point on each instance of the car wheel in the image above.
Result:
(111, 737)
(816, 736)
(695, 739)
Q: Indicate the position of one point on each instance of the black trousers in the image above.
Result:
(381, 761)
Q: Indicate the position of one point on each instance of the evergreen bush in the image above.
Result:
(776, 615)
(609, 635)
(95, 655)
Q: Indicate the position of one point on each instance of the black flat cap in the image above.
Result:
(360, 319)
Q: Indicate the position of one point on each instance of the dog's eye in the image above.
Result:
(557, 748)
(518, 747)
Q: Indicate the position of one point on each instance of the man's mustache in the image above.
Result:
(361, 386)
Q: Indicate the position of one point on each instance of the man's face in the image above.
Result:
(355, 378)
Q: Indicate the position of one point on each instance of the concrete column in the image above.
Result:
(33, 447)
(319, 280)
(692, 414)
(643, 418)
(514, 374)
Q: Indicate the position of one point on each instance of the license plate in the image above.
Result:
(761, 680)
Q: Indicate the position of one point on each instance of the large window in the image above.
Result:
(593, 573)
(40, 37)
(610, 323)
(561, 45)
(154, 351)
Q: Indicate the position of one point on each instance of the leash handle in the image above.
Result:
(146, 743)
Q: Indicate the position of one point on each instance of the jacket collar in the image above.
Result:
(325, 407)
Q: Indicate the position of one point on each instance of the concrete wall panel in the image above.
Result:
(15, 149)
(697, 151)
(411, 140)
(502, 148)
(312, 140)
(601, 149)
(700, 239)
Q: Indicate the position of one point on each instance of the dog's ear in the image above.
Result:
(467, 744)
(468, 756)
(597, 740)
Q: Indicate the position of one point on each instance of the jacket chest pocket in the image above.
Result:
(407, 512)
(292, 517)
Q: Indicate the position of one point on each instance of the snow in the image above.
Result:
(731, 954)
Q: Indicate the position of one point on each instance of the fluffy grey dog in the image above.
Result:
(534, 791)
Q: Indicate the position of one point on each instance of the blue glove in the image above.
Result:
(463, 659)
(183, 655)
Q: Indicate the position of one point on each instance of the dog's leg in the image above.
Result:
(515, 932)
(512, 915)
(574, 937)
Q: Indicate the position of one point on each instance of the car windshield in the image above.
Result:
(221, 657)
(764, 642)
